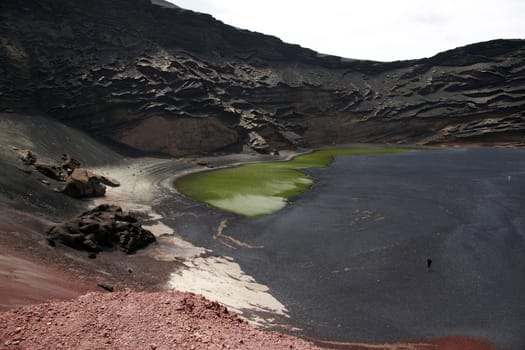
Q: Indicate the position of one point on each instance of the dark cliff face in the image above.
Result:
(166, 79)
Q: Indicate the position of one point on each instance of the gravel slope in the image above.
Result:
(131, 320)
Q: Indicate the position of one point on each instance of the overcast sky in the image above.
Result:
(382, 30)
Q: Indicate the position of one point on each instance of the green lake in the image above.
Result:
(258, 189)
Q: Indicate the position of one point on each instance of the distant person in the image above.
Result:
(429, 262)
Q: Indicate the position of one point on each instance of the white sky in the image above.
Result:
(383, 30)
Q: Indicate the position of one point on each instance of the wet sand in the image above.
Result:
(448, 343)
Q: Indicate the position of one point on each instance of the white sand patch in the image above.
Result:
(222, 280)
(174, 248)
(134, 184)
(217, 278)
(159, 229)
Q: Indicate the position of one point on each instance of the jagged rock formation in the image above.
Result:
(164, 79)
(102, 228)
(79, 182)
(83, 183)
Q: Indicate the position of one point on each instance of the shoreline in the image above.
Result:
(143, 179)
(156, 169)
(200, 271)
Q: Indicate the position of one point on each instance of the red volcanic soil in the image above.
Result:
(453, 343)
(30, 271)
(24, 282)
(136, 320)
(164, 320)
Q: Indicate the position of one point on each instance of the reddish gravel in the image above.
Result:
(133, 320)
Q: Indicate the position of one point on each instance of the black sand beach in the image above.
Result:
(348, 258)
(345, 261)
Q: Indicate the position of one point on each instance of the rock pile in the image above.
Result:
(102, 228)
(79, 182)
(84, 183)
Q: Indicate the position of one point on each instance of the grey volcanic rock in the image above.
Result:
(163, 79)
(52, 171)
(69, 164)
(83, 183)
(29, 158)
(102, 228)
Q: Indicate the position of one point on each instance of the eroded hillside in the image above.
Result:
(174, 81)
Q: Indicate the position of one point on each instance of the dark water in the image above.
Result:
(348, 257)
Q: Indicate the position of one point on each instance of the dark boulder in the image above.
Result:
(83, 183)
(69, 163)
(80, 182)
(109, 181)
(29, 158)
(106, 286)
(102, 228)
(51, 171)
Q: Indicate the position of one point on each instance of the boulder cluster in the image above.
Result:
(102, 228)
(77, 182)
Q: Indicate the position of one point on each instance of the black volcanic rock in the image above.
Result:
(79, 182)
(53, 172)
(102, 228)
(83, 183)
(163, 79)
(29, 158)
(164, 3)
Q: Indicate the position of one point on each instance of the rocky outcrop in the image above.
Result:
(179, 136)
(79, 182)
(102, 228)
(29, 158)
(83, 183)
(164, 79)
(54, 172)
(69, 164)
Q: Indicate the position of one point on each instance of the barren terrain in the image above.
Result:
(145, 92)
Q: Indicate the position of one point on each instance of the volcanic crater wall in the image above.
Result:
(174, 81)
